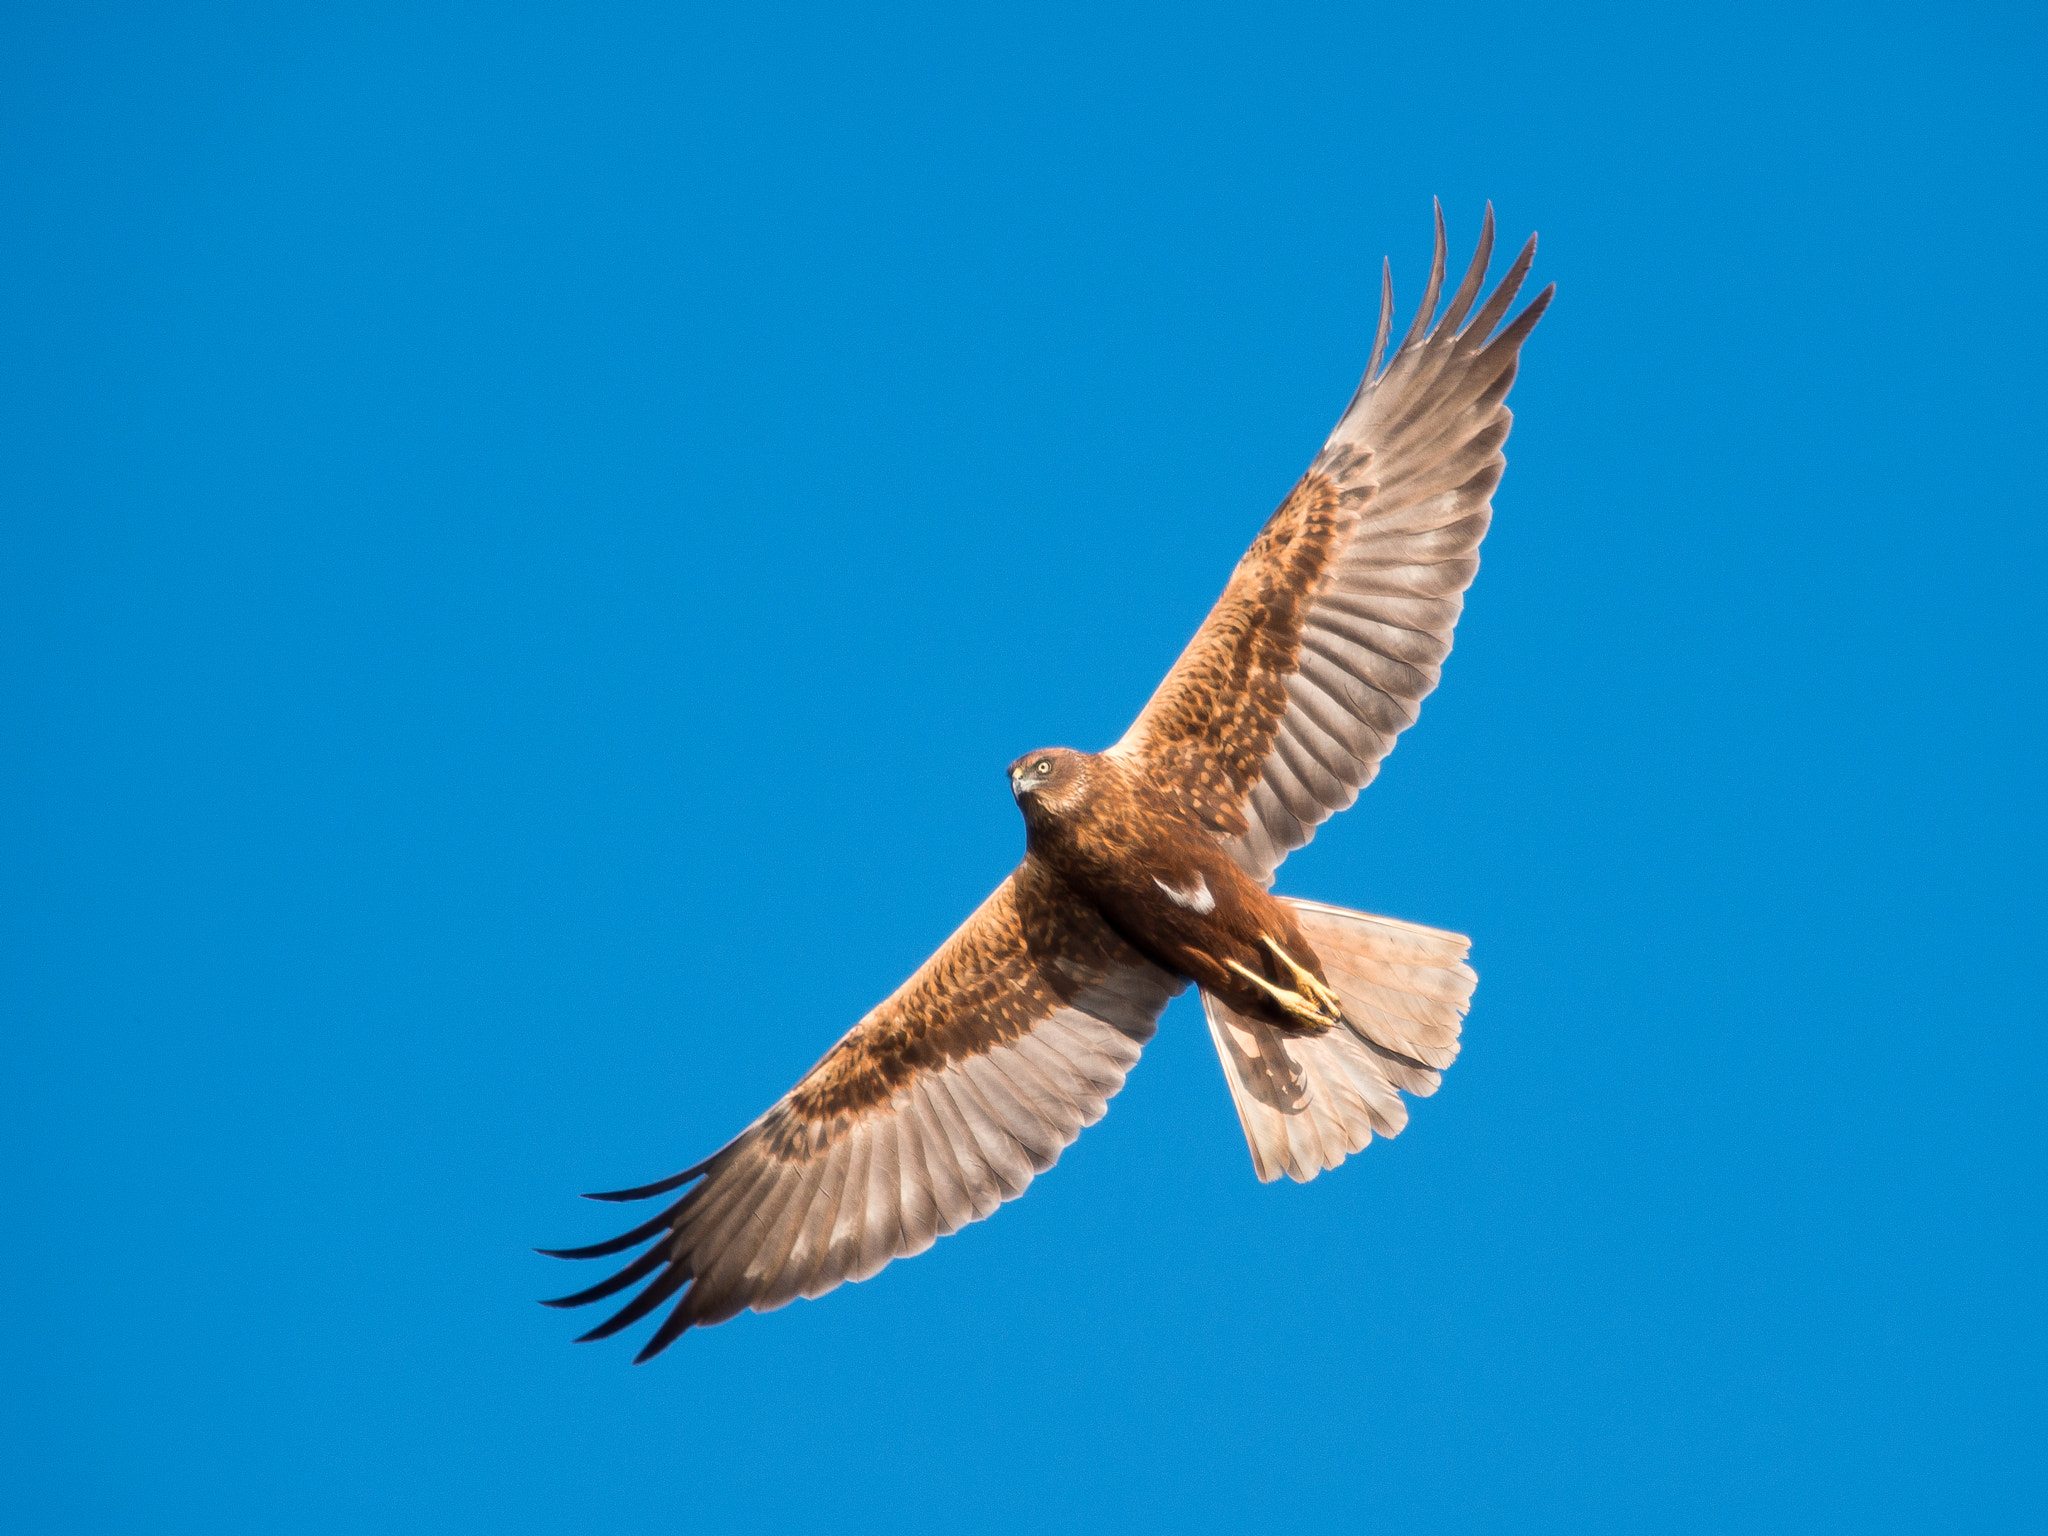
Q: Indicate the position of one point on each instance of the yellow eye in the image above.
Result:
(1042, 767)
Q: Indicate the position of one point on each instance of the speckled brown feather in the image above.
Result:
(1022, 954)
(1212, 721)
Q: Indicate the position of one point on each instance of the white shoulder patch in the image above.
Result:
(1196, 900)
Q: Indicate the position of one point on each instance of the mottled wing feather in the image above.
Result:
(942, 1103)
(1337, 620)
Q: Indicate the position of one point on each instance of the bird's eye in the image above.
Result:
(1044, 766)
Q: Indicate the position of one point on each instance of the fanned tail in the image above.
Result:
(1307, 1102)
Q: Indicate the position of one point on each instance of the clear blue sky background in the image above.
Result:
(531, 532)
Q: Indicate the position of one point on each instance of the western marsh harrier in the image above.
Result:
(1147, 866)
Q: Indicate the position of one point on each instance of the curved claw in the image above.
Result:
(1309, 1015)
(1308, 981)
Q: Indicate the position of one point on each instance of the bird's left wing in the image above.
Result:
(1336, 621)
(941, 1104)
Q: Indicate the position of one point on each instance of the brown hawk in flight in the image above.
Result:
(1147, 866)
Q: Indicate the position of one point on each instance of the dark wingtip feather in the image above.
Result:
(1502, 296)
(640, 1267)
(673, 1327)
(1435, 289)
(1525, 322)
(1507, 346)
(1379, 340)
(619, 1244)
(649, 1191)
(663, 1286)
(1468, 290)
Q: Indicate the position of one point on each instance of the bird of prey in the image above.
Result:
(1147, 866)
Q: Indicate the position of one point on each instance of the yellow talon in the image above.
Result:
(1325, 999)
(1297, 1007)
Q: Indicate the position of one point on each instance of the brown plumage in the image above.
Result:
(1147, 866)
(1136, 854)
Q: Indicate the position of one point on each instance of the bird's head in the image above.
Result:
(1050, 781)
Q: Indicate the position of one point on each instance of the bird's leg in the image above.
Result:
(1308, 981)
(1317, 1011)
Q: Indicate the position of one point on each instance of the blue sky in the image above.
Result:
(532, 531)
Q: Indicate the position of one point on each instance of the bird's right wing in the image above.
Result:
(941, 1104)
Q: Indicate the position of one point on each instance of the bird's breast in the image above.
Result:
(1165, 894)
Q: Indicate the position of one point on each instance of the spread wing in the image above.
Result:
(1337, 620)
(938, 1106)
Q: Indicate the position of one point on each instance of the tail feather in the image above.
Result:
(1307, 1102)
